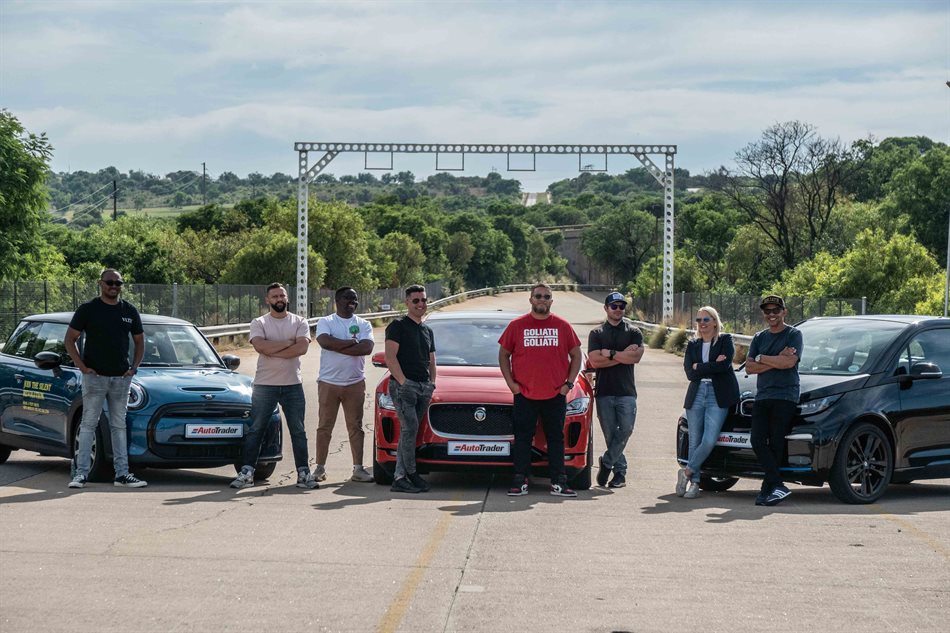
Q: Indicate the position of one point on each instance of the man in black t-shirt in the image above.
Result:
(410, 357)
(107, 322)
(613, 349)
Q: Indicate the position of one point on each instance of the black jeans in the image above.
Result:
(524, 419)
(770, 423)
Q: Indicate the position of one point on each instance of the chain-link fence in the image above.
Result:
(203, 305)
(740, 313)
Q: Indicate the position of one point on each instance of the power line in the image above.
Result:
(86, 197)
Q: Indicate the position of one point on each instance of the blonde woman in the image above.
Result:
(713, 389)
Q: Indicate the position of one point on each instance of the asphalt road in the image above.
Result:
(190, 554)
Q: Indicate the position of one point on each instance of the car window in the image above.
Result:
(175, 345)
(51, 338)
(21, 343)
(844, 346)
(931, 346)
(469, 342)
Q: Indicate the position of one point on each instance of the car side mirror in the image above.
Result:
(48, 360)
(231, 361)
(926, 370)
(379, 359)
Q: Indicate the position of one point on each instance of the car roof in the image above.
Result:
(66, 317)
(897, 318)
(473, 315)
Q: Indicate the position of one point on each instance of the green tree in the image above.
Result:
(622, 240)
(407, 255)
(492, 263)
(24, 166)
(270, 255)
(921, 190)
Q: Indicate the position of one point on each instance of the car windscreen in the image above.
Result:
(844, 346)
(467, 342)
(168, 345)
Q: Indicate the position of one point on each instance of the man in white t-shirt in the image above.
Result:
(280, 338)
(346, 340)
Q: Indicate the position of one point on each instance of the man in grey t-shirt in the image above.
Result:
(773, 356)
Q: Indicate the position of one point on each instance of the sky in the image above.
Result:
(165, 86)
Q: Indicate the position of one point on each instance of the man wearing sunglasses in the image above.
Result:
(107, 322)
(613, 349)
(773, 356)
(410, 357)
(539, 355)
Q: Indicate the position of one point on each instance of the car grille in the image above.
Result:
(459, 419)
(210, 411)
(178, 447)
(191, 451)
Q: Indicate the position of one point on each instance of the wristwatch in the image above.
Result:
(569, 384)
(613, 353)
(758, 358)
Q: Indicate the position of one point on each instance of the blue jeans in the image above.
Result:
(264, 399)
(705, 420)
(411, 400)
(617, 415)
(114, 391)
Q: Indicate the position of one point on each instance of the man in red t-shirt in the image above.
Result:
(540, 355)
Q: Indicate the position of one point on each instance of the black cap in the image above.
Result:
(615, 297)
(774, 300)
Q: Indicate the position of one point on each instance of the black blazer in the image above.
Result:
(723, 375)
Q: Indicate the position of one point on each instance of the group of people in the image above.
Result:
(539, 357)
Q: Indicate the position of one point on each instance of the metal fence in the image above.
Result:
(203, 305)
(740, 313)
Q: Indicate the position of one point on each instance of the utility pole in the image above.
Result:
(115, 213)
(204, 190)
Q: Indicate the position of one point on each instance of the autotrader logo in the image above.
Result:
(215, 430)
(480, 448)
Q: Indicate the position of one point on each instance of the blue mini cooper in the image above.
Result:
(188, 408)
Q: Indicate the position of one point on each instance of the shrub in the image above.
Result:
(741, 351)
(658, 338)
(676, 342)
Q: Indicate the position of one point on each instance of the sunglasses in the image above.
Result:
(112, 282)
(543, 297)
(417, 300)
(617, 306)
(703, 319)
(771, 310)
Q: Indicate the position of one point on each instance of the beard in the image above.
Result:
(280, 306)
(540, 309)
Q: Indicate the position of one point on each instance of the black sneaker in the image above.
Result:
(519, 486)
(603, 473)
(764, 493)
(418, 482)
(777, 496)
(129, 481)
(561, 489)
(404, 485)
(619, 481)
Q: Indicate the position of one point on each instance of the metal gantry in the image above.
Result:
(307, 173)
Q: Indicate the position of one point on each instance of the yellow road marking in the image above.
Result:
(939, 547)
(400, 604)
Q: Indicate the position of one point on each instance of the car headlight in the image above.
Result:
(137, 396)
(386, 402)
(817, 406)
(577, 405)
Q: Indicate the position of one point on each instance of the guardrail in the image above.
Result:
(215, 332)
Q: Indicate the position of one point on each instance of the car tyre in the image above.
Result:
(100, 469)
(381, 474)
(717, 484)
(863, 465)
(582, 479)
(4, 453)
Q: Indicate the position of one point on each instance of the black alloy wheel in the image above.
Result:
(381, 475)
(4, 453)
(582, 479)
(863, 465)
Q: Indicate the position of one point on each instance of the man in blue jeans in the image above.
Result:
(107, 322)
(613, 349)
(410, 357)
(280, 338)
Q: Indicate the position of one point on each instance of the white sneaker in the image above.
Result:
(78, 481)
(305, 480)
(320, 473)
(681, 482)
(245, 478)
(361, 474)
(692, 492)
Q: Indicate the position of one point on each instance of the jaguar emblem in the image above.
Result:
(480, 414)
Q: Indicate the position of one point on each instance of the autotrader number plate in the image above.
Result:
(212, 431)
(480, 448)
(735, 440)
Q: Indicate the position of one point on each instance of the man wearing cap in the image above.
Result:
(613, 349)
(773, 356)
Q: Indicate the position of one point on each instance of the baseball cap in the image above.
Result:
(774, 300)
(615, 297)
